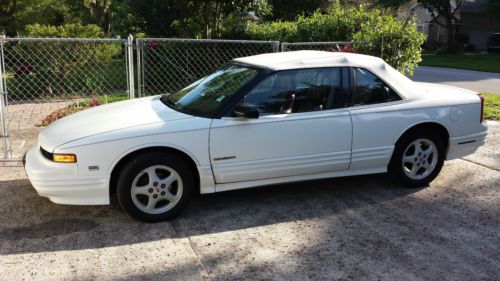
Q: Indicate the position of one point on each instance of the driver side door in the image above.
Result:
(302, 129)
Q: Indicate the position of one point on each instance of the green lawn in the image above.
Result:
(480, 62)
(491, 106)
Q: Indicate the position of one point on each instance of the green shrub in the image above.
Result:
(279, 31)
(64, 31)
(338, 24)
(396, 41)
(53, 69)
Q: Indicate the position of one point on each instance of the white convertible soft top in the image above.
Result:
(311, 59)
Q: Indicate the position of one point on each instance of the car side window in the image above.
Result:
(369, 89)
(295, 91)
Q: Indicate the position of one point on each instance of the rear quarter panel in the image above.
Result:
(376, 128)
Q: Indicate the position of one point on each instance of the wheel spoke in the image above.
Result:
(169, 180)
(409, 159)
(151, 203)
(169, 196)
(418, 148)
(429, 150)
(143, 190)
(414, 170)
(153, 177)
(427, 166)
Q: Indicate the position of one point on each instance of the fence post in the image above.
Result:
(130, 66)
(284, 46)
(276, 46)
(7, 152)
(139, 71)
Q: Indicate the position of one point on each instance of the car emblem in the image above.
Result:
(94, 168)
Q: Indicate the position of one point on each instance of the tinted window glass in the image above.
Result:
(205, 96)
(370, 89)
(296, 91)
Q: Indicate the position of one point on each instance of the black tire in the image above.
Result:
(396, 169)
(147, 160)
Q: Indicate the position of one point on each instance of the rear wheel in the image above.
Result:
(418, 157)
(155, 186)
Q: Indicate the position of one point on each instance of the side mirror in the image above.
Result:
(246, 110)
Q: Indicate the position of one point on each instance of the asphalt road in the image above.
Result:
(353, 228)
(472, 80)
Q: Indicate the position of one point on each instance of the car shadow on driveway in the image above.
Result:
(31, 224)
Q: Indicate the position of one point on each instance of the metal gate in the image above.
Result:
(43, 77)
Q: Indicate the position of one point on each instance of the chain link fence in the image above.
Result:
(167, 65)
(43, 75)
(39, 70)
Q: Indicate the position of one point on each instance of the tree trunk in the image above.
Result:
(207, 20)
(107, 24)
(450, 35)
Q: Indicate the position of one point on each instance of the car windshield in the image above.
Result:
(205, 96)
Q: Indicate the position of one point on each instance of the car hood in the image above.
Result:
(106, 118)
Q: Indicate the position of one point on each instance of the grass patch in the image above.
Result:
(103, 99)
(491, 106)
(81, 105)
(479, 62)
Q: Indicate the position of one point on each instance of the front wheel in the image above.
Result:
(155, 186)
(418, 158)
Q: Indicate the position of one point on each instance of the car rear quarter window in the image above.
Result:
(369, 89)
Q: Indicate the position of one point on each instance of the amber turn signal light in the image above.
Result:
(64, 158)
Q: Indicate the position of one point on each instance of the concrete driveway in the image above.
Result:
(472, 80)
(355, 228)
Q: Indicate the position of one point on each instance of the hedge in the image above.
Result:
(396, 41)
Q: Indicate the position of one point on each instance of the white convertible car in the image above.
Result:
(259, 120)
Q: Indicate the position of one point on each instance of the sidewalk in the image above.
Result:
(23, 122)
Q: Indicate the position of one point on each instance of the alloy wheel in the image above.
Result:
(156, 189)
(420, 159)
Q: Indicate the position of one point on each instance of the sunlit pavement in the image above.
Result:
(468, 79)
(355, 228)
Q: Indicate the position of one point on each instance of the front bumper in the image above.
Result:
(61, 183)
